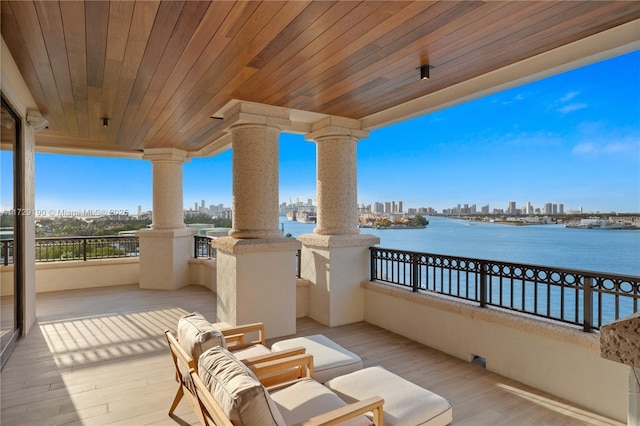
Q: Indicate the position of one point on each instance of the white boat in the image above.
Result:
(306, 217)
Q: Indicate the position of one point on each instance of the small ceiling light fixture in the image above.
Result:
(424, 72)
(105, 121)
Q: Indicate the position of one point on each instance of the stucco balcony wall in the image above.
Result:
(203, 272)
(555, 358)
(74, 275)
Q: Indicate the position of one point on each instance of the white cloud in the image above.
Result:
(563, 106)
(569, 96)
(629, 147)
(571, 107)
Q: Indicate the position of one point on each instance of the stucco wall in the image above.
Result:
(73, 275)
(203, 272)
(554, 358)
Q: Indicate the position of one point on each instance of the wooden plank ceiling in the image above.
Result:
(160, 69)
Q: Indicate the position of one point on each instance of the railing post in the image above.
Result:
(483, 284)
(5, 252)
(372, 264)
(84, 249)
(414, 272)
(299, 263)
(587, 307)
(195, 246)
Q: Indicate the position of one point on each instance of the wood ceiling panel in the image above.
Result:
(50, 20)
(327, 54)
(201, 66)
(402, 62)
(296, 60)
(73, 22)
(477, 34)
(12, 36)
(488, 52)
(229, 69)
(389, 45)
(120, 21)
(160, 69)
(465, 68)
(144, 14)
(185, 71)
(165, 21)
(31, 33)
(190, 17)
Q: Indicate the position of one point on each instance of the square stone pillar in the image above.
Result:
(164, 258)
(256, 281)
(335, 265)
(620, 342)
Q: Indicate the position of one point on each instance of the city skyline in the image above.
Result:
(573, 137)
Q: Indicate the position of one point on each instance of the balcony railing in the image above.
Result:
(585, 298)
(202, 247)
(56, 249)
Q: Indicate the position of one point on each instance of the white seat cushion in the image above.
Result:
(405, 403)
(307, 399)
(329, 358)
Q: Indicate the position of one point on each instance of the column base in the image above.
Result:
(256, 281)
(164, 257)
(335, 265)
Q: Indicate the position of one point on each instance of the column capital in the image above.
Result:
(165, 154)
(250, 113)
(332, 126)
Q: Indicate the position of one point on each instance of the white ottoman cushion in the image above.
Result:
(405, 403)
(307, 399)
(329, 358)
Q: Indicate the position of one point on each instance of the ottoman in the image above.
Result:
(405, 403)
(329, 358)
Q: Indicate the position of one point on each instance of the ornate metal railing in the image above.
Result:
(586, 298)
(56, 249)
(6, 252)
(202, 247)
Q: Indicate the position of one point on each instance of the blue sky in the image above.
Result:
(573, 139)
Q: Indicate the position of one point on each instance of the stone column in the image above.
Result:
(256, 277)
(620, 342)
(335, 258)
(166, 248)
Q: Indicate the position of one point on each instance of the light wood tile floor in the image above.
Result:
(99, 357)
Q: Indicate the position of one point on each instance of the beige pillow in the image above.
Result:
(196, 335)
(237, 390)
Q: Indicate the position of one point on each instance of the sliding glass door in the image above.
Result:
(11, 231)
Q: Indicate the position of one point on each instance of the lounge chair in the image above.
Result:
(231, 392)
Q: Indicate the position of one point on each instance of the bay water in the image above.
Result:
(613, 251)
(609, 251)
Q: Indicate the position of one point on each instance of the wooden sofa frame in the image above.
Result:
(269, 374)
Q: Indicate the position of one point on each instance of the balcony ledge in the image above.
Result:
(561, 332)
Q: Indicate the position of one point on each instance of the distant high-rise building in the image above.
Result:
(548, 208)
(560, 208)
(554, 209)
(485, 209)
(378, 207)
(387, 207)
(399, 206)
(511, 208)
